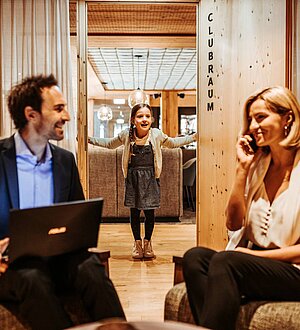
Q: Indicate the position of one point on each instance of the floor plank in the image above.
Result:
(142, 285)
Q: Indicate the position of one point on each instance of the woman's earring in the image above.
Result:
(286, 130)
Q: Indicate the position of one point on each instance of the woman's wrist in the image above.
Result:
(242, 168)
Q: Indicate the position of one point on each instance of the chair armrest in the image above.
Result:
(103, 256)
(178, 275)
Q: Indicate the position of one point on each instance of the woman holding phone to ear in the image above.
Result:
(263, 212)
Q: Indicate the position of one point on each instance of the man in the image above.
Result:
(34, 172)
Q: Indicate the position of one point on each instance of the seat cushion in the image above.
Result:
(177, 307)
(9, 321)
(276, 315)
(256, 315)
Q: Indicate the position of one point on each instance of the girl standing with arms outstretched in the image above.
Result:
(142, 165)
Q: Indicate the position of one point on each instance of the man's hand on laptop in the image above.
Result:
(3, 262)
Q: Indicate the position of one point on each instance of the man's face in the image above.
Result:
(53, 115)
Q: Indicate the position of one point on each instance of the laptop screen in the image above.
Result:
(55, 229)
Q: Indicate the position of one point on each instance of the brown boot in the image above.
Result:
(148, 252)
(137, 251)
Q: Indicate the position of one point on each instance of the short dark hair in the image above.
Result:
(28, 93)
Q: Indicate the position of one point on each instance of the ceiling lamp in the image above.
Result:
(104, 113)
(138, 96)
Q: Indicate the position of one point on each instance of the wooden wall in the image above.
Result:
(241, 49)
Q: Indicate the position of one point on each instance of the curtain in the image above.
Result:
(35, 39)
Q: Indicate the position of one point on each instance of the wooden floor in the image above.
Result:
(142, 285)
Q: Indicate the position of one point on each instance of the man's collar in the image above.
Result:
(22, 148)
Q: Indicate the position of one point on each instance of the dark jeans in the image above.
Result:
(33, 284)
(217, 281)
(135, 222)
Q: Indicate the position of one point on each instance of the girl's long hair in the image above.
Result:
(134, 110)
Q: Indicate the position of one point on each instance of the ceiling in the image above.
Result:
(162, 35)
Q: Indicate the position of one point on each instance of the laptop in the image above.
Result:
(56, 229)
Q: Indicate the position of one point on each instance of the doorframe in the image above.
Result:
(82, 113)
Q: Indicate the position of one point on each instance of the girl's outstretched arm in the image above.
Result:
(110, 143)
(179, 141)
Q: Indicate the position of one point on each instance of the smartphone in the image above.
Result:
(253, 144)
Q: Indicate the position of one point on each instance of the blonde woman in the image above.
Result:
(263, 212)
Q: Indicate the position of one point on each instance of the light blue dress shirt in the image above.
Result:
(35, 178)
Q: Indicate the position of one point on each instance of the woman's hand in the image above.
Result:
(245, 153)
(249, 251)
(3, 245)
(289, 254)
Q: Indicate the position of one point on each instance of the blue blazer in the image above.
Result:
(67, 186)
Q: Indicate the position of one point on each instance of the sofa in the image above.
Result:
(256, 315)
(106, 180)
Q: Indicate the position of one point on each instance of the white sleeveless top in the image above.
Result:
(270, 225)
(263, 218)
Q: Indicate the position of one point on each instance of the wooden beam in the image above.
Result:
(149, 1)
(188, 101)
(169, 113)
(141, 41)
(289, 43)
(82, 95)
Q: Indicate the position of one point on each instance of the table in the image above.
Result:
(137, 325)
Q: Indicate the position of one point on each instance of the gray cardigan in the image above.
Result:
(157, 138)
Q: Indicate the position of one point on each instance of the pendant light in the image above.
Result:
(138, 96)
(104, 113)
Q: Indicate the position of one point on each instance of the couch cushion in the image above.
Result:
(9, 321)
(177, 307)
(102, 178)
(171, 204)
(257, 315)
(276, 315)
(123, 211)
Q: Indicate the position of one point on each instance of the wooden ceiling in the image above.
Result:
(137, 26)
(138, 19)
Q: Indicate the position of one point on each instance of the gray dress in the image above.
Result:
(142, 190)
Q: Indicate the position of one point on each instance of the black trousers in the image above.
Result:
(34, 284)
(135, 223)
(218, 282)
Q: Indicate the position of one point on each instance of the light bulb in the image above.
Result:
(104, 113)
(137, 96)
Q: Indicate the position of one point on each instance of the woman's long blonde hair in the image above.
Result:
(282, 101)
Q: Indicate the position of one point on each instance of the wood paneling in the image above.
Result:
(82, 96)
(169, 112)
(242, 49)
(142, 18)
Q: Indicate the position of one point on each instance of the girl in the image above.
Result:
(142, 165)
